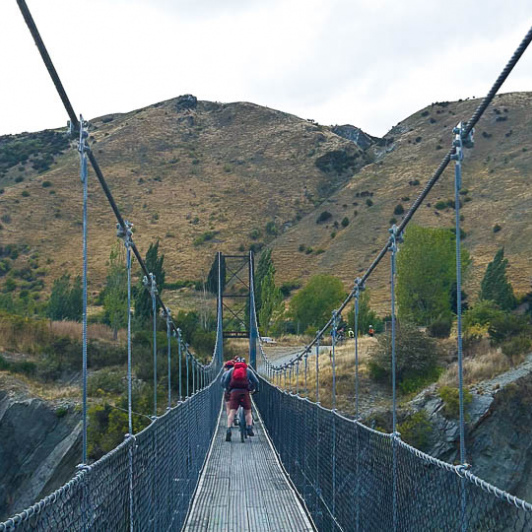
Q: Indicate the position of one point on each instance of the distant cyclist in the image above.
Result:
(238, 382)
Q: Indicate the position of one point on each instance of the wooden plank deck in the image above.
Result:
(243, 488)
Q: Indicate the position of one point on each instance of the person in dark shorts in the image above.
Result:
(227, 395)
(238, 382)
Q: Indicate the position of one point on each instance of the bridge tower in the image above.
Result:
(237, 301)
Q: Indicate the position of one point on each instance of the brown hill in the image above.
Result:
(200, 176)
(496, 192)
(204, 176)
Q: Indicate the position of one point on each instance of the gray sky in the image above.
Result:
(370, 63)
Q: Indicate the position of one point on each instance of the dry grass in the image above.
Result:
(482, 363)
(374, 394)
(228, 168)
(45, 391)
(73, 329)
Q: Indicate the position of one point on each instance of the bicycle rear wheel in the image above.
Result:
(242, 423)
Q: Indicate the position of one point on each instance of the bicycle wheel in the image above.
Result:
(242, 423)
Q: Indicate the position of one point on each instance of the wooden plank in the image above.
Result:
(243, 488)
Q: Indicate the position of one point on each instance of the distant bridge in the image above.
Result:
(309, 467)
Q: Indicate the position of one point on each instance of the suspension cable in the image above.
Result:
(435, 177)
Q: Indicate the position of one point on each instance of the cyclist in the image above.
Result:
(227, 396)
(238, 382)
(371, 331)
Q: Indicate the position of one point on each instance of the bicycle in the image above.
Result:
(241, 417)
(242, 424)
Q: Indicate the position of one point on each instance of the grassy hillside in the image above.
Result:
(216, 176)
(229, 176)
(496, 192)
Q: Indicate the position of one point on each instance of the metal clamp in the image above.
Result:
(150, 284)
(396, 237)
(359, 287)
(461, 469)
(461, 141)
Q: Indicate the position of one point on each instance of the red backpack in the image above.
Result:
(239, 378)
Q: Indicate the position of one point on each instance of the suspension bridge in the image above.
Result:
(308, 467)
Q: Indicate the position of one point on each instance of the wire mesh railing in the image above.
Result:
(343, 470)
(163, 463)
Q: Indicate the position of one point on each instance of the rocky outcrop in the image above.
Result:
(499, 425)
(40, 446)
(359, 137)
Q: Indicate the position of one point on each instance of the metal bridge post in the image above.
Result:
(358, 288)
(290, 387)
(151, 285)
(193, 362)
(334, 333)
(188, 370)
(306, 370)
(318, 370)
(179, 354)
(168, 315)
(253, 333)
(83, 149)
(460, 141)
(125, 233)
(394, 239)
(334, 336)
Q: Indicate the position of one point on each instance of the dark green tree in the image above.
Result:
(366, 316)
(312, 305)
(115, 292)
(154, 264)
(271, 300)
(426, 274)
(264, 267)
(212, 277)
(66, 302)
(495, 285)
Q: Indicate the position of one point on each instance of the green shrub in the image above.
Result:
(399, 209)
(416, 358)
(61, 411)
(369, 202)
(271, 229)
(416, 430)
(323, 217)
(441, 328)
(287, 287)
(451, 400)
(302, 248)
(506, 325)
(518, 345)
(255, 234)
(496, 228)
(47, 184)
(205, 237)
(440, 205)
(106, 381)
(345, 221)
(25, 194)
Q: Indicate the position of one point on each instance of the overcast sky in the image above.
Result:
(369, 63)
